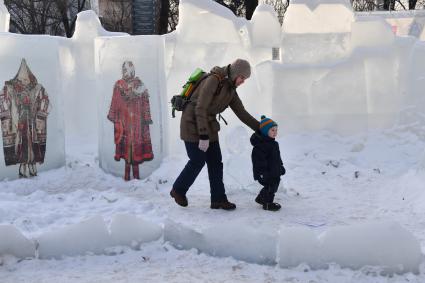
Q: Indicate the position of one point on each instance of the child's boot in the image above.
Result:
(259, 199)
(273, 206)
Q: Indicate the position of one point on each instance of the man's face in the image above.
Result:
(239, 80)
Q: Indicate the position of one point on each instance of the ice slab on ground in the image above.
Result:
(242, 242)
(4, 17)
(298, 245)
(383, 244)
(12, 242)
(130, 230)
(183, 237)
(90, 236)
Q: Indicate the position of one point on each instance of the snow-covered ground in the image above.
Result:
(331, 181)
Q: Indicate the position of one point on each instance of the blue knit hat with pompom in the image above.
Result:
(266, 124)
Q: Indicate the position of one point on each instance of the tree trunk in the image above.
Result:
(250, 6)
(163, 16)
(389, 5)
(412, 4)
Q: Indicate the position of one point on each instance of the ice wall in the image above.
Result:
(80, 82)
(136, 105)
(316, 31)
(403, 23)
(4, 17)
(40, 55)
(207, 35)
(337, 73)
(265, 33)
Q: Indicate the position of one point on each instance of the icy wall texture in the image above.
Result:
(143, 97)
(4, 18)
(24, 124)
(340, 72)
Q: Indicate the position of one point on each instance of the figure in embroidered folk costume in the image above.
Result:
(130, 113)
(24, 107)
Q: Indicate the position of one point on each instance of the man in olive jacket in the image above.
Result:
(199, 130)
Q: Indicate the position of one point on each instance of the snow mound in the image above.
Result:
(12, 242)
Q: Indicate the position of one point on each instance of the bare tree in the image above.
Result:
(280, 7)
(67, 11)
(250, 6)
(173, 15)
(364, 5)
(56, 17)
(164, 16)
(116, 16)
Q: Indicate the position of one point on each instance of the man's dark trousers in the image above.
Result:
(197, 160)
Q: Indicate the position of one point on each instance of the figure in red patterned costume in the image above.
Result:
(130, 113)
(24, 106)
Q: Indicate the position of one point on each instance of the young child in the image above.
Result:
(267, 163)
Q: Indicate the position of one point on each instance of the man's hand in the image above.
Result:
(204, 144)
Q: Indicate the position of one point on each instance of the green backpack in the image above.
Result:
(179, 102)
